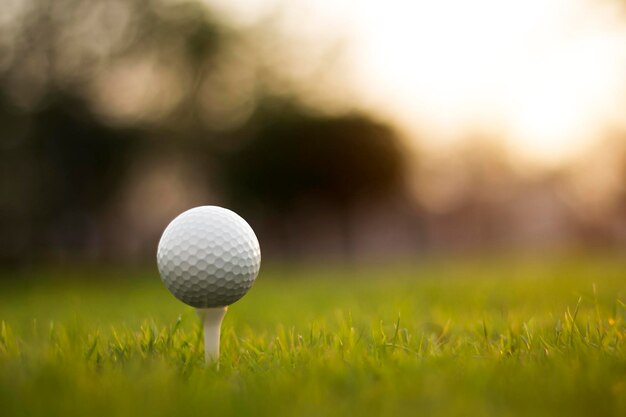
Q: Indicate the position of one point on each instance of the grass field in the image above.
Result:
(504, 338)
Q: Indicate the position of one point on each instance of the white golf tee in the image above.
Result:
(212, 323)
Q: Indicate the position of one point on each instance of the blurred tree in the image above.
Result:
(293, 158)
(294, 155)
(63, 155)
(60, 167)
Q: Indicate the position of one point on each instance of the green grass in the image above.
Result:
(444, 338)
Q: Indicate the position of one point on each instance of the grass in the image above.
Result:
(503, 338)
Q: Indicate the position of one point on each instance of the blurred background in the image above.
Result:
(341, 130)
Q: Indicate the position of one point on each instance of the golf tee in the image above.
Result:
(212, 323)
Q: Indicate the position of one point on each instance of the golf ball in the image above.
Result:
(208, 256)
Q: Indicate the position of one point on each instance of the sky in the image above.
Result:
(547, 76)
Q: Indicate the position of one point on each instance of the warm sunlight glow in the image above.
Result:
(547, 75)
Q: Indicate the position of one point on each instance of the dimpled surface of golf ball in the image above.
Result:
(208, 257)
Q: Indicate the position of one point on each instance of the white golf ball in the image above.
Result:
(208, 256)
